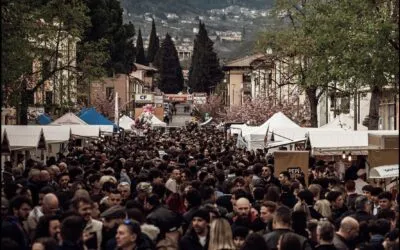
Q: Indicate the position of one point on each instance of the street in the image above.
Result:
(179, 120)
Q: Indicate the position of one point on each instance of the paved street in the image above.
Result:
(179, 120)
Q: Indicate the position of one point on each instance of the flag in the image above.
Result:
(116, 112)
(266, 137)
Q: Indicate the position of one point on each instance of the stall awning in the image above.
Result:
(386, 171)
(325, 141)
(85, 130)
(25, 137)
(283, 143)
(56, 134)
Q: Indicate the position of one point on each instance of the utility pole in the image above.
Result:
(355, 109)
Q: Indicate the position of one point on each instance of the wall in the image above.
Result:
(235, 85)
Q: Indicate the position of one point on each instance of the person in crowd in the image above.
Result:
(245, 215)
(360, 182)
(375, 192)
(337, 204)
(385, 200)
(12, 226)
(378, 229)
(124, 189)
(197, 238)
(83, 206)
(289, 241)
(48, 226)
(254, 242)
(284, 178)
(45, 244)
(267, 211)
(323, 207)
(239, 236)
(325, 234)
(174, 180)
(221, 235)
(348, 231)
(129, 237)
(351, 194)
(50, 206)
(267, 175)
(72, 233)
(281, 225)
(111, 218)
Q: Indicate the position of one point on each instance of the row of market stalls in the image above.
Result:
(292, 145)
(52, 137)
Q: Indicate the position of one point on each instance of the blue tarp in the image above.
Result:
(43, 119)
(92, 117)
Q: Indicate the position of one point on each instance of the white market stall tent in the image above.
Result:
(344, 121)
(254, 138)
(155, 122)
(385, 171)
(85, 130)
(5, 143)
(335, 142)
(126, 123)
(69, 119)
(24, 137)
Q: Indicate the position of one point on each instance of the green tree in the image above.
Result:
(205, 72)
(41, 28)
(140, 57)
(154, 43)
(339, 45)
(171, 77)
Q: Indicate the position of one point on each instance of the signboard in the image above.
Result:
(294, 172)
(387, 171)
(158, 99)
(199, 99)
(294, 162)
(144, 98)
(177, 98)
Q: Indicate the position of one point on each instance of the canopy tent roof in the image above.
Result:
(386, 171)
(278, 120)
(22, 137)
(5, 143)
(325, 140)
(70, 119)
(126, 122)
(284, 143)
(43, 119)
(344, 121)
(56, 134)
(85, 130)
(92, 117)
(155, 122)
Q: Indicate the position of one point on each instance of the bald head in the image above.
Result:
(243, 207)
(349, 228)
(50, 204)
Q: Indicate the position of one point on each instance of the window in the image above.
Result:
(109, 93)
(391, 116)
(49, 97)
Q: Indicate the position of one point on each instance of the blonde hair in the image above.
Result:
(107, 178)
(302, 206)
(323, 207)
(221, 235)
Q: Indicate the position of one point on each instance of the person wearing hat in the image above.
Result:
(197, 237)
(111, 218)
(143, 190)
(130, 237)
(360, 181)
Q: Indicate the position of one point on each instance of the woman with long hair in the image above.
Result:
(221, 235)
(324, 208)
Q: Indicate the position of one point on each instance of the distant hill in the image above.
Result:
(159, 7)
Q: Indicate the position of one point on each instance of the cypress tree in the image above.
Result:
(205, 72)
(171, 76)
(140, 57)
(154, 43)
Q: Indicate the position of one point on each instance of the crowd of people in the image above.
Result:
(189, 189)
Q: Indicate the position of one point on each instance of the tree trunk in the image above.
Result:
(23, 107)
(376, 94)
(311, 93)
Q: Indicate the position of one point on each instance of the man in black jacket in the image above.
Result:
(281, 224)
(197, 237)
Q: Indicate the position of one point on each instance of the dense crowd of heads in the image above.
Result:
(189, 188)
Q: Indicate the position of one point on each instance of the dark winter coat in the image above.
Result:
(272, 239)
(191, 241)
